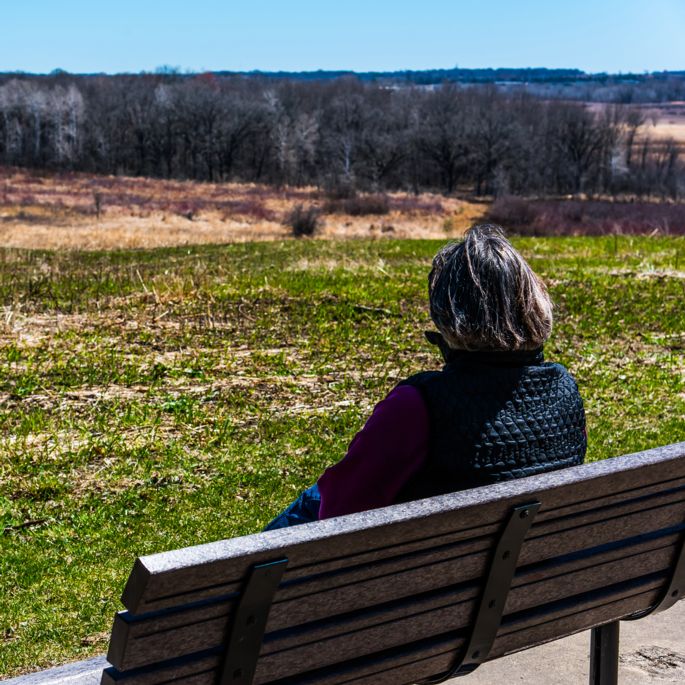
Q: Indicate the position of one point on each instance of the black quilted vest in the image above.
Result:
(496, 416)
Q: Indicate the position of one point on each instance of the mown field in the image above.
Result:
(154, 399)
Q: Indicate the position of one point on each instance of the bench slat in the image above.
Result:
(427, 657)
(135, 642)
(453, 619)
(414, 666)
(160, 580)
(554, 618)
(363, 591)
(520, 599)
(448, 550)
(444, 542)
(449, 609)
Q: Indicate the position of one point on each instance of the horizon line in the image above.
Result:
(169, 70)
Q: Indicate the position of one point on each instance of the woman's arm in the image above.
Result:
(381, 458)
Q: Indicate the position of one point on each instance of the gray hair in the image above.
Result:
(484, 296)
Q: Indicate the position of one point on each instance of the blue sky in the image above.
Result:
(91, 36)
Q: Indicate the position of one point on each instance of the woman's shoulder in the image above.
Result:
(556, 367)
(418, 379)
(561, 378)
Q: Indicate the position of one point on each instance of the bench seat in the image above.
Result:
(395, 595)
(422, 590)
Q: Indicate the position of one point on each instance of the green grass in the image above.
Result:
(150, 400)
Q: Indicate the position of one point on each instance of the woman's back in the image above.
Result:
(494, 416)
(495, 411)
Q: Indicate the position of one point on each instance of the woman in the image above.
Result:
(495, 411)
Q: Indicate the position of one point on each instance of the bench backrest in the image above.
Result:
(395, 595)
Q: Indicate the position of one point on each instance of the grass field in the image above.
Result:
(662, 121)
(77, 211)
(154, 399)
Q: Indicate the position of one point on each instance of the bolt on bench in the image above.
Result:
(417, 592)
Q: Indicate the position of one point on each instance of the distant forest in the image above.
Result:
(556, 84)
(341, 133)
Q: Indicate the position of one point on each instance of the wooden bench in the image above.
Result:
(415, 592)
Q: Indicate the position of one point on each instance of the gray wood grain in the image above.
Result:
(377, 593)
(457, 554)
(417, 661)
(187, 632)
(195, 570)
(137, 642)
(320, 652)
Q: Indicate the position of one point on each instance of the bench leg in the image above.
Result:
(604, 655)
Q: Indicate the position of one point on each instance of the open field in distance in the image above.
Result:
(60, 211)
(665, 120)
(81, 211)
(662, 121)
(153, 399)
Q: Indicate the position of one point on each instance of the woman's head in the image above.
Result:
(484, 296)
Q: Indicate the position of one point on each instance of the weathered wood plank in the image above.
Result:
(576, 619)
(428, 657)
(542, 547)
(177, 633)
(450, 551)
(415, 665)
(193, 572)
(142, 644)
(400, 560)
(422, 618)
(442, 650)
(201, 671)
(524, 596)
(364, 587)
(378, 637)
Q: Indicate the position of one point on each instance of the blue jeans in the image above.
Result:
(303, 510)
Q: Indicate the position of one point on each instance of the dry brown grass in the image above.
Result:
(665, 121)
(662, 122)
(59, 211)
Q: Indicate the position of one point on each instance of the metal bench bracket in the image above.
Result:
(494, 597)
(249, 623)
(674, 592)
(676, 588)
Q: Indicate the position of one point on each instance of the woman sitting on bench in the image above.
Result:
(495, 411)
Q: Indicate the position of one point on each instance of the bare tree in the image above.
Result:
(442, 135)
(341, 132)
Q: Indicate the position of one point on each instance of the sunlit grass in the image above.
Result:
(155, 399)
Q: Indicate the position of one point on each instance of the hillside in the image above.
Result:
(82, 211)
(202, 388)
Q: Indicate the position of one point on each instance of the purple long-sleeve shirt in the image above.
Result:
(382, 457)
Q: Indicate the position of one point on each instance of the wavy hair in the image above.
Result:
(484, 295)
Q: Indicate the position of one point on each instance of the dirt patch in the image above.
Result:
(644, 275)
(30, 330)
(657, 662)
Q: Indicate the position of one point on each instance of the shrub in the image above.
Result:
(97, 201)
(340, 189)
(303, 220)
(188, 210)
(587, 217)
(512, 212)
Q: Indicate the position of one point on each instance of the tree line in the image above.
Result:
(338, 134)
